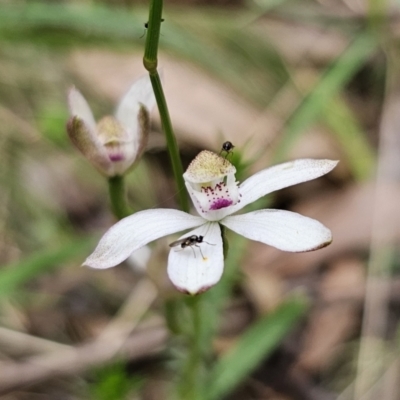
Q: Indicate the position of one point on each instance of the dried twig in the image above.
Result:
(116, 341)
(16, 343)
(74, 360)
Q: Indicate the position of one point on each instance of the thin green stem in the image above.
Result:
(171, 141)
(192, 382)
(153, 36)
(192, 376)
(150, 63)
(225, 242)
(116, 188)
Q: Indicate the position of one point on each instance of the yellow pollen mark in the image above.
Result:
(110, 131)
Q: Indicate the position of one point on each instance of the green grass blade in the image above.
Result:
(220, 46)
(14, 275)
(331, 82)
(256, 344)
(90, 22)
(347, 130)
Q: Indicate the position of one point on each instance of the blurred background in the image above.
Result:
(280, 79)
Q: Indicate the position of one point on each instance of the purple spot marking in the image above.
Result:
(221, 203)
(116, 157)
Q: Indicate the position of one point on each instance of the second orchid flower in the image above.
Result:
(115, 143)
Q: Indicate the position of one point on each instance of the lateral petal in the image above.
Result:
(140, 94)
(284, 230)
(195, 269)
(88, 144)
(133, 232)
(79, 107)
(280, 176)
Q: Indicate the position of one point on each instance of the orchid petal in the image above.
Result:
(88, 144)
(79, 107)
(284, 230)
(135, 231)
(194, 269)
(140, 94)
(139, 259)
(280, 176)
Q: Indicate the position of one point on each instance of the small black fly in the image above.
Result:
(146, 25)
(227, 147)
(190, 241)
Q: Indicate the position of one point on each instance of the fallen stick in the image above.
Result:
(74, 360)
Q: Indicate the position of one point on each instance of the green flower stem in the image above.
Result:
(225, 242)
(190, 383)
(153, 36)
(192, 379)
(150, 63)
(171, 141)
(116, 188)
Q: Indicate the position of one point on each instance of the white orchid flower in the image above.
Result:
(210, 180)
(115, 143)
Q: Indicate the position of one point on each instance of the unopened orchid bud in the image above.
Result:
(114, 144)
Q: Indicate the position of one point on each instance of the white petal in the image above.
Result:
(140, 93)
(284, 230)
(188, 270)
(139, 259)
(78, 107)
(280, 176)
(133, 232)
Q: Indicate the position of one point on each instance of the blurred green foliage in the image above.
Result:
(255, 344)
(41, 235)
(112, 382)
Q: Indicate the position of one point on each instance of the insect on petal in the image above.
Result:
(195, 269)
(135, 231)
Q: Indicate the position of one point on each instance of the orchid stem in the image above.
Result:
(225, 242)
(189, 386)
(150, 62)
(192, 382)
(116, 188)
